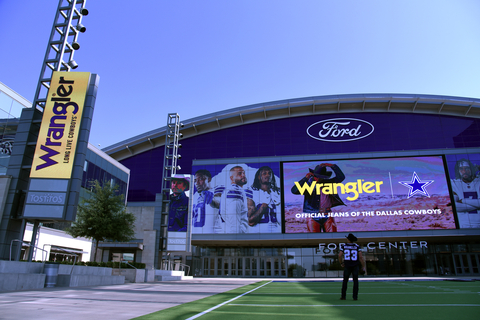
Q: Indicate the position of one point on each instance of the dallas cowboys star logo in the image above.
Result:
(417, 186)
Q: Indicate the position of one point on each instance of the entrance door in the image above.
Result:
(229, 267)
(208, 267)
(466, 263)
(262, 267)
(445, 264)
(245, 266)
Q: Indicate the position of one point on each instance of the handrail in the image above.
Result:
(129, 264)
(67, 254)
(185, 265)
(26, 243)
(168, 266)
(126, 262)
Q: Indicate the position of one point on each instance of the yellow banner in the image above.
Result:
(57, 140)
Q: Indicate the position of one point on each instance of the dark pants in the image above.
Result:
(346, 275)
(321, 222)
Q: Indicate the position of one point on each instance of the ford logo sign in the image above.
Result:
(340, 130)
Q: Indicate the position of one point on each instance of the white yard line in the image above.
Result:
(356, 305)
(224, 303)
(318, 293)
(336, 287)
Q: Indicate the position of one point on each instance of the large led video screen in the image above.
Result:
(237, 198)
(464, 170)
(178, 213)
(407, 193)
(178, 207)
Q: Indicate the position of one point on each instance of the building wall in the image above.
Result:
(102, 167)
(48, 237)
(288, 138)
(11, 105)
(144, 231)
(4, 185)
(143, 219)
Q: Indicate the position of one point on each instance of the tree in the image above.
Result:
(103, 216)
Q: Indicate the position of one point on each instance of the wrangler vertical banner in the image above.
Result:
(57, 139)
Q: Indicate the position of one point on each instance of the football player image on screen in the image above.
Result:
(178, 211)
(265, 218)
(321, 203)
(466, 191)
(205, 212)
(235, 201)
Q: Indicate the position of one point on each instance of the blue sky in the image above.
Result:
(196, 57)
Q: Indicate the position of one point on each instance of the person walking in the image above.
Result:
(350, 256)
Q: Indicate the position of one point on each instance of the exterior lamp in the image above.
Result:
(80, 27)
(72, 64)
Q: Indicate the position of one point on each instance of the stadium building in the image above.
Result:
(275, 187)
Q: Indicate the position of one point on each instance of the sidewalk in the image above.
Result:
(132, 300)
(117, 302)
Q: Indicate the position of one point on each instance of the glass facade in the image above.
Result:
(11, 105)
(97, 168)
(103, 172)
(311, 262)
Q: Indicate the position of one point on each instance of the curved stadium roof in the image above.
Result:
(332, 104)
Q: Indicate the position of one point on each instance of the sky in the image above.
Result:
(198, 57)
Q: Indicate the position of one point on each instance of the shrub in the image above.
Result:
(139, 265)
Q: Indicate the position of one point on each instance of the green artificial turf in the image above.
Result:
(377, 300)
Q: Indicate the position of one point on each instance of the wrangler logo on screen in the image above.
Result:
(60, 127)
(332, 188)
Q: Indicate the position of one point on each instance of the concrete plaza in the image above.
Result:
(118, 302)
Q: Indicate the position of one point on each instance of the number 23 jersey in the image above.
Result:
(350, 254)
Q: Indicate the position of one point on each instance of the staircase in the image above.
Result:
(171, 275)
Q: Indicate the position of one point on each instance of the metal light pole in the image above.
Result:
(170, 168)
(61, 47)
(62, 44)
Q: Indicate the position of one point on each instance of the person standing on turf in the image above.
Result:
(350, 256)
